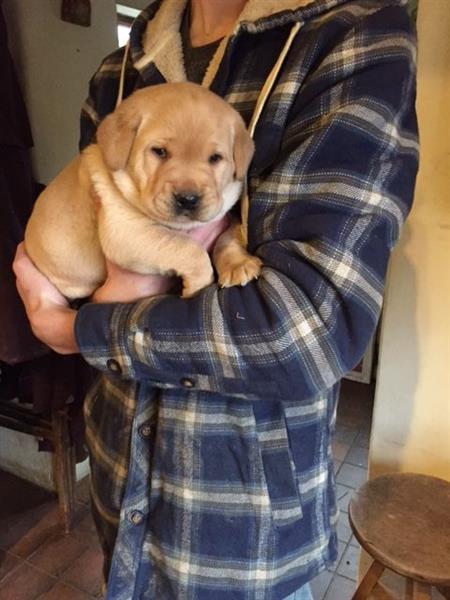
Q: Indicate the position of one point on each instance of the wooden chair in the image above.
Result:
(403, 522)
(54, 428)
(47, 405)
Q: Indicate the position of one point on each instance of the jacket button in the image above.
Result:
(187, 382)
(113, 365)
(136, 517)
(145, 431)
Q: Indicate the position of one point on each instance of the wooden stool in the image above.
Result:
(403, 522)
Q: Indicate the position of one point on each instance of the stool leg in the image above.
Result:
(416, 590)
(422, 591)
(409, 592)
(369, 581)
(444, 591)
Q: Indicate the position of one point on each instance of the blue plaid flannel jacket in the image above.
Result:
(209, 429)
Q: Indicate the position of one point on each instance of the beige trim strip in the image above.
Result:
(122, 75)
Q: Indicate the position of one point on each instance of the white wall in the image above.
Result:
(19, 454)
(411, 425)
(55, 61)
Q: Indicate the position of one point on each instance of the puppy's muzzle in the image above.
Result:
(186, 201)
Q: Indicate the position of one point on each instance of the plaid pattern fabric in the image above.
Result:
(209, 430)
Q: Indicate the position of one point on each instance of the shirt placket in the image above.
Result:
(126, 565)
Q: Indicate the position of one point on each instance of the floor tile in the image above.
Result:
(351, 419)
(341, 549)
(343, 496)
(394, 586)
(85, 572)
(23, 533)
(358, 456)
(59, 553)
(337, 465)
(86, 524)
(348, 566)
(357, 395)
(354, 542)
(363, 438)
(60, 591)
(319, 584)
(345, 434)
(28, 515)
(21, 496)
(8, 563)
(343, 530)
(25, 583)
(352, 476)
(393, 583)
(381, 593)
(340, 450)
(340, 588)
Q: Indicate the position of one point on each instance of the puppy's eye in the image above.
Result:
(215, 158)
(159, 152)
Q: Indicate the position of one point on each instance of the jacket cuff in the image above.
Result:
(111, 340)
(102, 336)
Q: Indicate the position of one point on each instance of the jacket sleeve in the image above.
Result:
(102, 98)
(323, 219)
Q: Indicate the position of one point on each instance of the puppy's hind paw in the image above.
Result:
(240, 272)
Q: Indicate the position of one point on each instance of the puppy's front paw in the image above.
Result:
(194, 283)
(240, 271)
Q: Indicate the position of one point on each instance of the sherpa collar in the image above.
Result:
(161, 40)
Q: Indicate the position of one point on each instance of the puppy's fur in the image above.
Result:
(170, 158)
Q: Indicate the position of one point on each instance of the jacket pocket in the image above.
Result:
(278, 466)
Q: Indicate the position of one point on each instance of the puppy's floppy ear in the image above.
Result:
(116, 133)
(243, 149)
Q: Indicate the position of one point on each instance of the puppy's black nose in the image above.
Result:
(186, 200)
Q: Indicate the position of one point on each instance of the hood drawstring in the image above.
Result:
(260, 103)
(122, 74)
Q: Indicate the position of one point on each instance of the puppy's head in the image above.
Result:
(177, 152)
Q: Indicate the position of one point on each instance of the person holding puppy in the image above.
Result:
(210, 428)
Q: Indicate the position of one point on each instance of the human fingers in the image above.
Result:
(123, 285)
(33, 287)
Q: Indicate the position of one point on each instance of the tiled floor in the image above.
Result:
(38, 562)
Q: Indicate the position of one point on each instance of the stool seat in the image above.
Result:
(403, 521)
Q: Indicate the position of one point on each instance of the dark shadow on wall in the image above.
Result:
(398, 363)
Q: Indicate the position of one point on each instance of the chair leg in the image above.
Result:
(444, 591)
(422, 591)
(416, 590)
(64, 467)
(369, 581)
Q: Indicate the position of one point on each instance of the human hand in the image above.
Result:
(122, 285)
(51, 319)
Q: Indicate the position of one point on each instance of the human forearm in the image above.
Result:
(55, 327)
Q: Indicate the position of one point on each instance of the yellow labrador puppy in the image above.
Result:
(170, 158)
